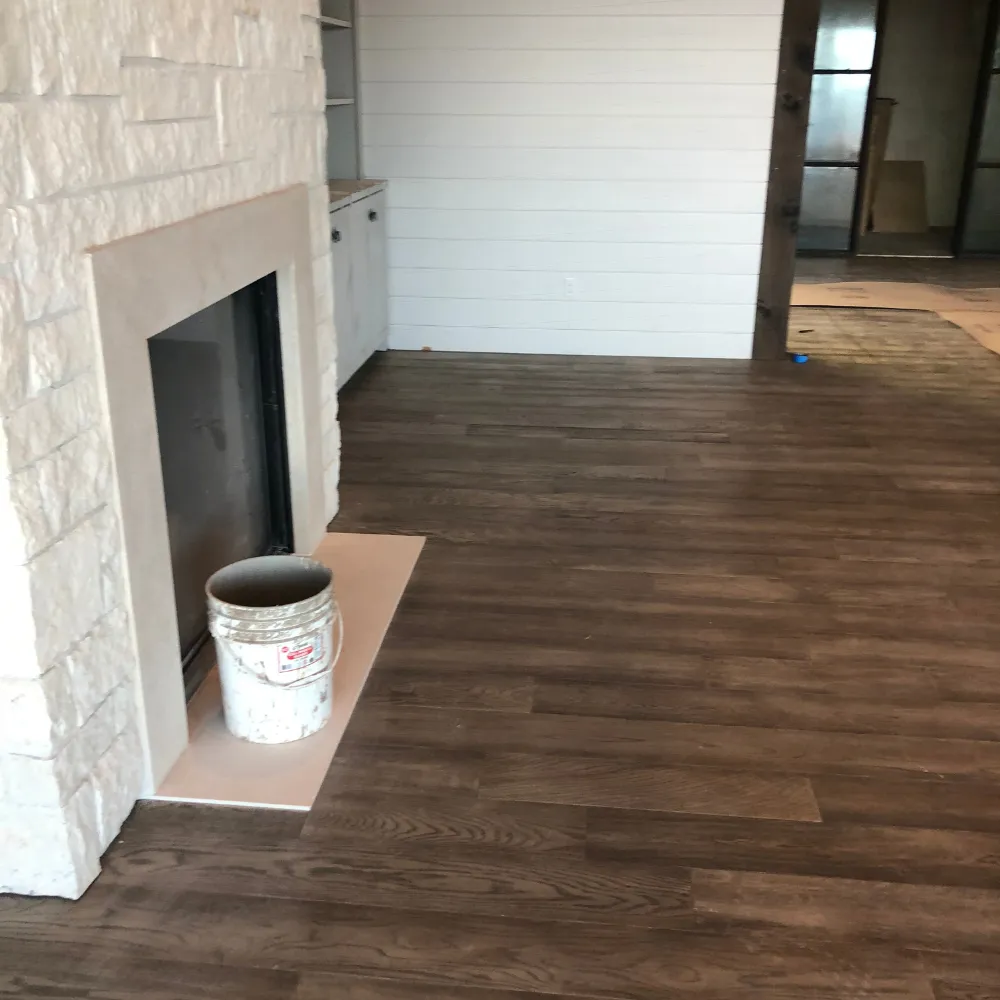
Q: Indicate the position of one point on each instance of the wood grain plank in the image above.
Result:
(875, 677)
(898, 801)
(922, 716)
(472, 690)
(386, 768)
(955, 989)
(459, 882)
(593, 781)
(738, 747)
(837, 850)
(327, 986)
(35, 970)
(849, 908)
(425, 818)
(467, 951)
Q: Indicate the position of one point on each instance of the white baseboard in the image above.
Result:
(737, 346)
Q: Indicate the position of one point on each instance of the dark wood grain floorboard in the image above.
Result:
(594, 960)
(327, 986)
(33, 970)
(458, 882)
(694, 693)
(370, 819)
(474, 689)
(597, 781)
(738, 747)
(892, 800)
(837, 850)
(930, 915)
(922, 713)
(956, 989)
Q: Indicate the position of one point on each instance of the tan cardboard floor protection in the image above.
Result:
(975, 310)
(370, 574)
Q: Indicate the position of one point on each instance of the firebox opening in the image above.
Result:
(220, 415)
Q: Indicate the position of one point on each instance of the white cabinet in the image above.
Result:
(361, 308)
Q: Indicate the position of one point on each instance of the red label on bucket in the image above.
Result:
(301, 653)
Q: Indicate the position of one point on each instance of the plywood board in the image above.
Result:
(370, 575)
(874, 295)
(983, 326)
(878, 142)
(901, 199)
(975, 310)
(981, 299)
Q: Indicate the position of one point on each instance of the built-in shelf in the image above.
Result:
(332, 23)
(340, 63)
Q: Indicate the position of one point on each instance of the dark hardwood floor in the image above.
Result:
(695, 693)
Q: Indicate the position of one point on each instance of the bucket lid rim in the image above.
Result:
(291, 556)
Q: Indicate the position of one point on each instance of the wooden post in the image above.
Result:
(784, 190)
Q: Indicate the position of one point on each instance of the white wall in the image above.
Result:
(930, 64)
(571, 176)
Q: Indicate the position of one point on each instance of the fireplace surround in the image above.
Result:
(116, 120)
(141, 286)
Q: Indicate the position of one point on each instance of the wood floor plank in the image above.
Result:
(387, 768)
(850, 908)
(172, 822)
(471, 690)
(945, 989)
(405, 818)
(596, 781)
(836, 850)
(419, 880)
(327, 986)
(738, 747)
(927, 715)
(468, 951)
(35, 970)
(876, 678)
(898, 801)
(672, 616)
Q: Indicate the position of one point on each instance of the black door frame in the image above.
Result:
(976, 131)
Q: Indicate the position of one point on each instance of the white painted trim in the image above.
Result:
(140, 286)
(593, 343)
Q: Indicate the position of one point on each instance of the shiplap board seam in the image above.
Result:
(635, 228)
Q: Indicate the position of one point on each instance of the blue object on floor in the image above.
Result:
(799, 359)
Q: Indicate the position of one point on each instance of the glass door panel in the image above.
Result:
(842, 80)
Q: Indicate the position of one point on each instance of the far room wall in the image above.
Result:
(930, 65)
(571, 176)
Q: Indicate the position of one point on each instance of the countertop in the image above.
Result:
(347, 191)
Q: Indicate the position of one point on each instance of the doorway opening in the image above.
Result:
(903, 131)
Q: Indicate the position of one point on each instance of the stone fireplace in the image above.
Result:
(157, 158)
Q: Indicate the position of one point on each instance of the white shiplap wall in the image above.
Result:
(571, 176)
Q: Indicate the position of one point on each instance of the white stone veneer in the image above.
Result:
(116, 117)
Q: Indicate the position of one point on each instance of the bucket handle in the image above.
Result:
(338, 627)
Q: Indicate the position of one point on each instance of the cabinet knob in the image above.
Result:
(373, 216)
(336, 236)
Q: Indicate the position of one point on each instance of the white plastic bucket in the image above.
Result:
(274, 620)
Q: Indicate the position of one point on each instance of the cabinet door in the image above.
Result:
(359, 275)
(343, 307)
(377, 275)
